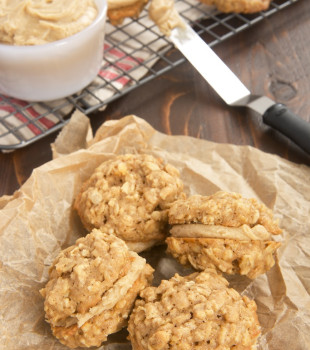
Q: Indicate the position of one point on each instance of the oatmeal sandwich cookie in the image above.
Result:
(129, 196)
(92, 288)
(239, 6)
(118, 10)
(223, 231)
(198, 311)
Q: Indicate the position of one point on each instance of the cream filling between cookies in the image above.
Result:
(116, 293)
(139, 247)
(244, 232)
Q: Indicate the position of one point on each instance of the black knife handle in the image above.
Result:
(282, 119)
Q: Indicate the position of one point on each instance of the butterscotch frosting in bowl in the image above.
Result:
(45, 55)
(36, 22)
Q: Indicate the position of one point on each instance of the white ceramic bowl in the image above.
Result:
(57, 69)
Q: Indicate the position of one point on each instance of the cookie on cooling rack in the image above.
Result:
(198, 311)
(118, 10)
(224, 231)
(239, 6)
(92, 288)
(129, 196)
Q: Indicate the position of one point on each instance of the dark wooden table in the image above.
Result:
(271, 58)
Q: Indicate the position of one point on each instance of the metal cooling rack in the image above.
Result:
(22, 123)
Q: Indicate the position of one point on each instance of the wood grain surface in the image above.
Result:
(272, 58)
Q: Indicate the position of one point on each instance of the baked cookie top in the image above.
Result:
(129, 196)
(117, 4)
(239, 6)
(223, 209)
(118, 10)
(89, 278)
(198, 311)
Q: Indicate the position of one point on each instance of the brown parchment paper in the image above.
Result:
(38, 220)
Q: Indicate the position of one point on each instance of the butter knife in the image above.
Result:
(233, 92)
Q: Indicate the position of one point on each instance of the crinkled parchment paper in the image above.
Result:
(37, 221)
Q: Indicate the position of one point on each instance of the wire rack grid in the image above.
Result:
(130, 53)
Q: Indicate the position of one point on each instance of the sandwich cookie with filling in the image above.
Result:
(223, 231)
(198, 311)
(92, 288)
(129, 196)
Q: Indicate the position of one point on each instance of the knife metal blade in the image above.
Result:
(233, 91)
